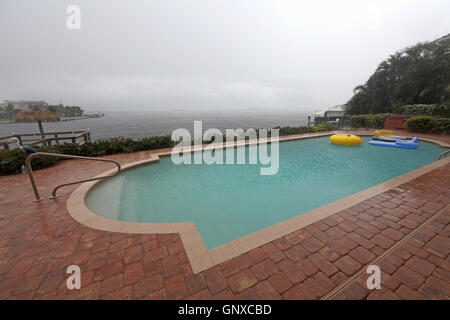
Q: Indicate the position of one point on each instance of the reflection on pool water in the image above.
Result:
(227, 202)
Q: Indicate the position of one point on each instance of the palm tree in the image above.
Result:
(10, 111)
(38, 116)
(416, 75)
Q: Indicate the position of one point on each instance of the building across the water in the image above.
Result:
(97, 114)
(23, 104)
(333, 114)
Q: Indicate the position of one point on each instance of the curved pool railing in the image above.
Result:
(443, 154)
(66, 156)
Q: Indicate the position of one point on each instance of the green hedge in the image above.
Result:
(113, 146)
(424, 109)
(368, 120)
(441, 126)
(425, 124)
(285, 131)
(11, 161)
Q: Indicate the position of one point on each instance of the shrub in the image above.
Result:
(379, 120)
(11, 161)
(367, 120)
(320, 127)
(357, 121)
(441, 125)
(285, 131)
(441, 110)
(424, 109)
(422, 124)
(426, 124)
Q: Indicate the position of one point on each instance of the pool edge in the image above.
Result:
(198, 255)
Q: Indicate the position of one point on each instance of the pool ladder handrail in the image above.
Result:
(443, 154)
(66, 156)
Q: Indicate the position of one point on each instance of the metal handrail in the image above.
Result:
(443, 154)
(67, 156)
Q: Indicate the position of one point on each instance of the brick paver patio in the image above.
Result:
(324, 260)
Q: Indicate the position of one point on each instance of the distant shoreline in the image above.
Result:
(5, 121)
(146, 124)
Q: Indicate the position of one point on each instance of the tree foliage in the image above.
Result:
(65, 111)
(416, 75)
(36, 115)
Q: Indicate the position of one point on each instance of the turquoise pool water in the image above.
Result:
(227, 202)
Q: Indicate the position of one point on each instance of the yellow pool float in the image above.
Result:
(383, 132)
(346, 139)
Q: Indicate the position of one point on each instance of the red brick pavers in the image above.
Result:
(39, 240)
(418, 269)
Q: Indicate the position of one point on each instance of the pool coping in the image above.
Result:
(198, 254)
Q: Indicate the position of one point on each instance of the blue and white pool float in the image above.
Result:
(405, 144)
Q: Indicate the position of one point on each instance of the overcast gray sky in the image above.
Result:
(168, 54)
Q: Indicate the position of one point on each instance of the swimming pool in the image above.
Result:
(227, 202)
